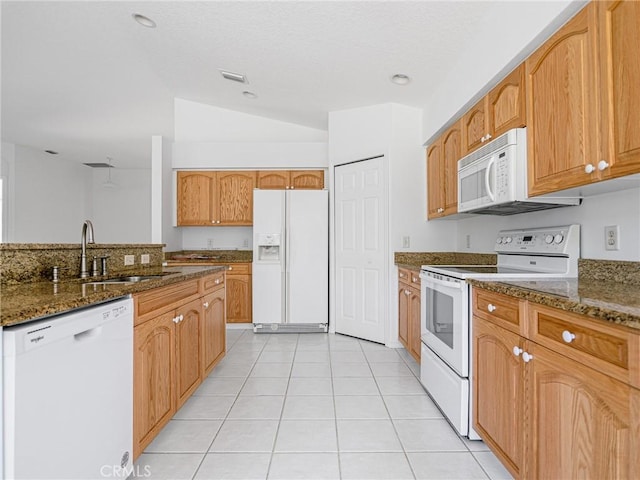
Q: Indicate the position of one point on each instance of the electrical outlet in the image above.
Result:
(129, 259)
(612, 237)
(468, 240)
(144, 258)
(245, 243)
(209, 243)
(406, 242)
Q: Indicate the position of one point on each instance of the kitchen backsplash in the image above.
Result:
(31, 262)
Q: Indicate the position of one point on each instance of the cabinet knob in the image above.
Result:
(602, 165)
(517, 351)
(217, 281)
(527, 357)
(205, 304)
(482, 139)
(407, 293)
(568, 337)
(588, 168)
(402, 275)
(230, 268)
(491, 307)
(218, 221)
(414, 279)
(487, 137)
(440, 210)
(176, 319)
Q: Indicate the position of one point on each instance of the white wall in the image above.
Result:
(48, 197)
(208, 137)
(618, 208)
(121, 214)
(525, 24)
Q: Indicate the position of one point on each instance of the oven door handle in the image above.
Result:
(436, 282)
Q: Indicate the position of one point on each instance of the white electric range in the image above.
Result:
(524, 254)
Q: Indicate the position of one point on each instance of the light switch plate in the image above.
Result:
(129, 259)
(406, 242)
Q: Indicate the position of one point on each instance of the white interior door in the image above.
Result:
(360, 211)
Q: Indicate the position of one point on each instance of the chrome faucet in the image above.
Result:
(87, 237)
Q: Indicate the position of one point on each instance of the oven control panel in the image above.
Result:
(561, 241)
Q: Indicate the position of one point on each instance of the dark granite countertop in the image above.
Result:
(209, 256)
(609, 301)
(30, 301)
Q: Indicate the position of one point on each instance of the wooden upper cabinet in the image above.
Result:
(451, 152)
(287, 179)
(197, 194)
(435, 173)
(236, 197)
(506, 103)
(307, 179)
(442, 173)
(619, 27)
(562, 107)
(215, 198)
(502, 109)
(475, 127)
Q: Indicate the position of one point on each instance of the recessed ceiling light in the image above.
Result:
(236, 77)
(51, 152)
(144, 21)
(249, 94)
(400, 79)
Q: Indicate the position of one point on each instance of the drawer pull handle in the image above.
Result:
(517, 351)
(527, 357)
(568, 337)
(491, 307)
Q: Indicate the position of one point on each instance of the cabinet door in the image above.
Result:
(506, 103)
(581, 421)
(435, 174)
(562, 110)
(619, 27)
(213, 330)
(475, 128)
(498, 392)
(153, 379)
(403, 314)
(197, 198)
(188, 356)
(451, 152)
(414, 323)
(236, 197)
(307, 179)
(238, 298)
(273, 179)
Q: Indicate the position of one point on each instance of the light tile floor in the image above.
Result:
(313, 406)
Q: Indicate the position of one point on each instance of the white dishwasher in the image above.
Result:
(68, 395)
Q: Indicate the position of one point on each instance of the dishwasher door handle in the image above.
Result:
(92, 332)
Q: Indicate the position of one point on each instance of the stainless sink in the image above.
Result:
(129, 279)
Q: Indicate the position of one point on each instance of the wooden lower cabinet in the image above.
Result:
(213, 330)
(546, 414)
(239, 297)
(581, 425)
(175, 347)
(498, 392)
(154, 398)
(409, 311)
(188, 351)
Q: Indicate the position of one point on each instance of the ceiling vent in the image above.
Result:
(236, 77)
(98, 165)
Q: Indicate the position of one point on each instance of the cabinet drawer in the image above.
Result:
(414, 278)
(239, 268)
(212, 282)
(497, 308)
(404, 275)
(158, 300)
(603, 347)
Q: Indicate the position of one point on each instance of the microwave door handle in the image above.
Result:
(487, 174)
(442, 283)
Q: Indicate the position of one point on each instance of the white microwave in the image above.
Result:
(493, 179)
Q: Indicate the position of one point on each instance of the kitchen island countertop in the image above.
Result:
(31, 301)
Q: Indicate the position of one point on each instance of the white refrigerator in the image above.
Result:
(290, 260)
